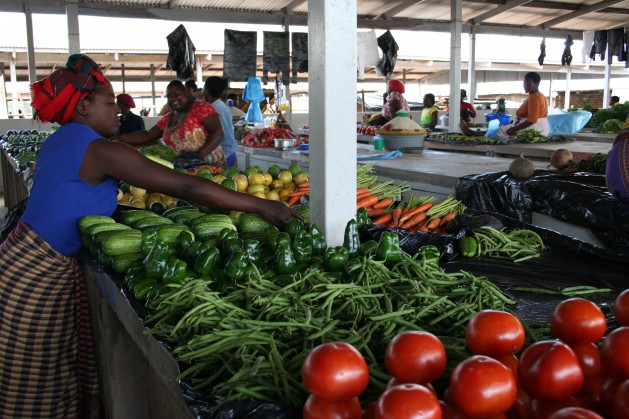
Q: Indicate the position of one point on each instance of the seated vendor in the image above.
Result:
(501, 105)
(532, 114)
(393, 102)
(429, 113)
(617, 170)
(614, 101)
(467, 110)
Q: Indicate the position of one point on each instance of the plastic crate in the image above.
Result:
(504, 118)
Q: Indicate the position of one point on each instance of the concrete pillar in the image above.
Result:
(72, 14)
(608, 73)
(332, 70)
(471, 67)
(456, 26)
(566, 104)
(550, 91)
(153, 88)
(199, 72)
(30, 44)
(14, 91)
(124, 90)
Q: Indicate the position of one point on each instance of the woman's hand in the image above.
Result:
(277, 213)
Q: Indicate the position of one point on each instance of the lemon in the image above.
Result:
(260, 195)
(230, 172)
(268, 179)
(285, 176)
(253, 189)
(250, 170)
(218, 179)
(277, 184)
(258, 169)
(256, 179)
(135, 191)
(291, 186)
(273, 195)
(301, 177)
(283, 194)
(120, 195)
(241, 183)
(294, 169)
(274, 171)
(137, 202)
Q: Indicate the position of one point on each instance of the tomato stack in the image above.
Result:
(583, 374)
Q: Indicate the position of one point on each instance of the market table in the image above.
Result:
(15, 189)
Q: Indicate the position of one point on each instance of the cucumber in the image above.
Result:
(97, 240)
(186, 217)
(210, 230)
(131, 217)
(169, 213)
(89, 220)
(88, 235)
(168, 233)
(122, 263)
(210, 217)
(253, 224)
(147, 222)
(121, 243)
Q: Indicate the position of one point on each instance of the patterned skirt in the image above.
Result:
(47, 359)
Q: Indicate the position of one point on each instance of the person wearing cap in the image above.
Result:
(47, 359)
(501, 105)
(212, 91)
(129, 122)
(393, 101)
(617, 169)
(467, 110)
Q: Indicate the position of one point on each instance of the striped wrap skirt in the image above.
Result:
(47, 360)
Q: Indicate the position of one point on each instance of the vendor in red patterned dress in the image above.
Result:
(192, 128)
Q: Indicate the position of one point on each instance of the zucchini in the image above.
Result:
(253, 224)
(169, 213)
(147, 222)
(122, 263)
(97, 240)
(121, 243)
(89, 220)
(186, 217)
(132, 216)
(88, 235)
(210, 230)
(168, 233)
(208, 218)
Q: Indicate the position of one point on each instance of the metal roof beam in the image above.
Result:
(578, 13)
(498, 10)
(394, 10)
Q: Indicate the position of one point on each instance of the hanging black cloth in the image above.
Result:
(542, 52)
(181, 53)
(239, 60)
(566, 57)
(616, 41)
(300, 54)
(599, 45)
(275, 55)
(627, 48)
(389, 54)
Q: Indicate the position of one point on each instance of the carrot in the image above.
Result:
(293, 200)
(362, 190)
(304, 185)
(446, 219)
(416, 210)
(367, 202)
(363, 195)
(383, 203)
(434, 223)
(300, 192)
(422, 228)
(376, 212)
(386, 218)
(396, 216)
(414, 221)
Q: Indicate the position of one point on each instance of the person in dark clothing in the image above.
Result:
(129, 122)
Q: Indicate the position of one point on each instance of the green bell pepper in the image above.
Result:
(134, 274)
(226, 233)
(351, 240)
(468, 246)
(293, 226)
(364, 222)
(284, 259)
(302, 246)
(430, 254)
(141, 289)
(254, 250)
(270, 233)
(176, 271)
(368, 248)
(280, 239)
(232, 245)
(236, 266)
(207, 261)
(318, 240)
(389, 248)
(335, 258)
(149, 237)
(184, 241)
(157, 259)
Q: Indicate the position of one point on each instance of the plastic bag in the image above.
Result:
(389, 48)
(492, 128)
(253, 93)
(239, 60)
(275, 56)
(562, 122)
(300, 54)
(181, 56)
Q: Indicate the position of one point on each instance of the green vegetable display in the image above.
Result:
(389, 247)
(335, 258)
(468, 246)
(611, 126)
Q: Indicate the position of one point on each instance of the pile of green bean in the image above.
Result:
(517, 244)
(250, 344)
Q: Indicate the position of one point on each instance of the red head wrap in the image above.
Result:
(126, 100)
(396, 86)
(55, 97)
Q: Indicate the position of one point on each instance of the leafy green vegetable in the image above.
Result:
(159, 150)
(611, 126)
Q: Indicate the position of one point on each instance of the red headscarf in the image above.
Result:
(55, 97)
(396, 86)
(126, 100)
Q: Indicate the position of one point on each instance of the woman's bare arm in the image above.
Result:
(212, 124)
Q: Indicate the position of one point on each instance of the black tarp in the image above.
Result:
(299, 41)
(239, 60)
(599, 45)
(181, 56)
(581, 199)
(275, 55)
(389, 48)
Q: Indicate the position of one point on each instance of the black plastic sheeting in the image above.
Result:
(275, 56)
(181, 53)
(239, 56)
(300, 54)
(581, 199)
(389, 48)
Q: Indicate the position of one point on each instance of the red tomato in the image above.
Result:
(550, 370)
(316, 408)
(621, 308)
(608, 393)
(590, 393)
(575, 413)
(620, 407)
(335, 371)
(578, 320)
(482, 386)
(614, 353)
(446, 411)
(395, 382)
(589, 359)
(415, 357)
(459, 414)
(544, 409)
(408, 401)
(511, 362)
(369, 412)
(494, 333)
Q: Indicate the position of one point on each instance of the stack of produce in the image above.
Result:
(23, 145)
(266, 137)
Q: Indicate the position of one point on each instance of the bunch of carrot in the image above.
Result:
(375, 205)
(294, 197)
(422, 215)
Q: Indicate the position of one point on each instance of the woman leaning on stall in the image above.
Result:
(47, 364)
(192, 127)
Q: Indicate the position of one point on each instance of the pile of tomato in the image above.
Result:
(583, 374)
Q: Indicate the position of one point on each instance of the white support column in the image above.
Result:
(471, 66)
(14, 91)
(456, 26)
(122, 74)
(72, 14)
(332, 70)
(155, 112)
(30, 44)
(566, 104)
(608, 74)
(550, 91)
(199, 72)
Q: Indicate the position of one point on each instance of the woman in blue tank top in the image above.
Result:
(42, 292)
